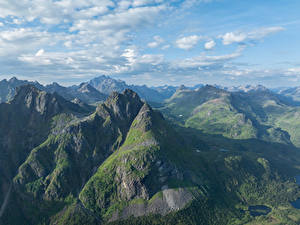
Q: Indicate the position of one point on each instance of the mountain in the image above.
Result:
(8, 87)
(257, 113)
(124, 163)
(92, 92)
(292, 93)
(123, 127)
(84, 92)
(245, 88)
(25, 123)
(166, 90)
(107, 85)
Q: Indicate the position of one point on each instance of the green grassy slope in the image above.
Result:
(257, 114)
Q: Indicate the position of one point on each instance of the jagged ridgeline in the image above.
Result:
(123, 163)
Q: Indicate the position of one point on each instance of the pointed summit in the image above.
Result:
(125, 105)
(182, 87)
(107, 85)
(87, 88)
(13, 80)
(34, 99)
(42, 102)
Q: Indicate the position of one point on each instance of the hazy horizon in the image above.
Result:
(163, 84)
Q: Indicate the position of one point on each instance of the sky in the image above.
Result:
(153, 42)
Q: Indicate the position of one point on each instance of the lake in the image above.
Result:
(259, 210)
(296, 204)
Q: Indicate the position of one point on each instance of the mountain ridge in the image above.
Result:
(240, 115)
(126, 163)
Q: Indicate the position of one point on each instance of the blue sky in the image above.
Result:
(153, 42)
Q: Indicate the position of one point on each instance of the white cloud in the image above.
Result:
(294, 70)
(39, 52)
(157, 41)
(51, 11)
(165, 47)
(132, 18)
(238, 37)
(17, 21)
(231, 37)
(153, 44)
(210, 45)
(54, 39)
(131, 55)
(68, 44)
(16, 34)
(88, 36)
(263, 32)
(113, 29)
(151, 59)
(39, 58)
(188, 42)
(137, 3)
(136, 60)
(17, 41)
(207, 60)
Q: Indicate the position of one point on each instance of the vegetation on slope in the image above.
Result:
(125, 164)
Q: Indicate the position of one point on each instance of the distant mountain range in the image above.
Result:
(107, 85)
(96, 90)
(99, 88)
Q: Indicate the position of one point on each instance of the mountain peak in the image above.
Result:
(210, 87)
(13, 80)
(55, 84)
(25, 89)
(256, 88)
(101, 77)
(85, 87)
(130, 93)
(182, 87)
(42, 102)
(124, 106)
(34, 98)
(145, 117)
(127, 94)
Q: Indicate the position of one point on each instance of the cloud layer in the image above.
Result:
(148, 41)
(239, 37)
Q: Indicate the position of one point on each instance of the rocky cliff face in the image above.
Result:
(78, 147)
(134, 179)
(84, 92)
(25, 123)
(8, 88)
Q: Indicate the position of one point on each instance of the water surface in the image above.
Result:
(296, 204)
(259, 210)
